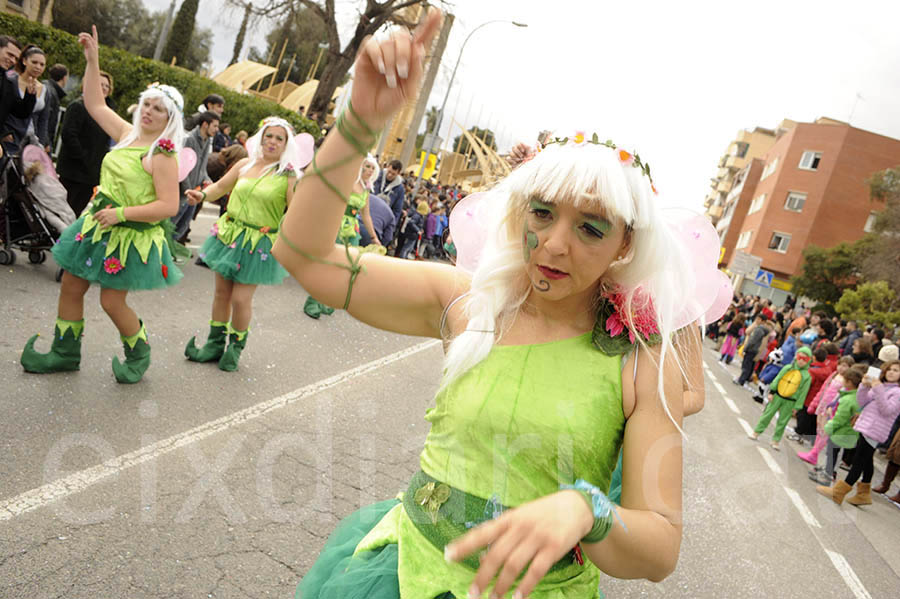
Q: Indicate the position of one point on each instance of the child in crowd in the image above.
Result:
(840, 428)
(879, 400)
(732, 337)
(787, 394)
(820, 406)
(819, 370)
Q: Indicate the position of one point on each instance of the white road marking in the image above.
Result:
(731, 405)
(837, 559)
(849, 576)
(801, 507)
(770, 461)
(79, 481)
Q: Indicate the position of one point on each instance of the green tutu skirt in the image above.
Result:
(81, 256)
(338, 574)
(237, 262)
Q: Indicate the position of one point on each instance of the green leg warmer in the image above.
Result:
(237, 340)
(65, 351)
(214, 347)
(137, 358)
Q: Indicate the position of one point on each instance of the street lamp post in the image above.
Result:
(440, 117)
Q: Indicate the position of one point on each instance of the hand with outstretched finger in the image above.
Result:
(387, 73)
(91, 44)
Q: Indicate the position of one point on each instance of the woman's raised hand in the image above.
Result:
(91, 45)
(388, 72)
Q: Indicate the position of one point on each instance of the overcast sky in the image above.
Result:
(673, 80)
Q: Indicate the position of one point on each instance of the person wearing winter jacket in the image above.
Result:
(839, 429)
(787, 393)
(821, 368)
(823, 410)
(414, 226)
(880, 403)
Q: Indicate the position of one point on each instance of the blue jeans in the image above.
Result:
(182, 220)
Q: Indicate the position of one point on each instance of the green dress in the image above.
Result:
(517, 425)
(240, 245)
(130, 255)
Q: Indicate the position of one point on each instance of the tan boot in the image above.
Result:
(889, 474)
(863, 495)
(836, 493)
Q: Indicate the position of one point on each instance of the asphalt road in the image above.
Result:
(199, 483)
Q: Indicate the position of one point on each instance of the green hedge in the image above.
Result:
(132, 74)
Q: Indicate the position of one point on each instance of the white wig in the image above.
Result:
(592, 179)
(289, 159)
(369, 159)
(173, 103)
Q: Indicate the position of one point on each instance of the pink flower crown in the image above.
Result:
(580, 138)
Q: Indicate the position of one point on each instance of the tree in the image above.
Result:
(828, 272)
(882, 262)
(126, 24)
(480, 134)
(303, 32)
(372, 17)
(42, 10)
(182, 31)
(870, 302)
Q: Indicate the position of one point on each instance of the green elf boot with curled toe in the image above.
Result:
(237, 340)
(214, 346)
(65, 351)
(137, 358)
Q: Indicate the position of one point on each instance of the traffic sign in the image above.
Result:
(745, 264)
(764, 278)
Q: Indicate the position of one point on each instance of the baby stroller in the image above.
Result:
(33, 206)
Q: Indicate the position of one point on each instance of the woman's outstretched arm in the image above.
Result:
(396, 295)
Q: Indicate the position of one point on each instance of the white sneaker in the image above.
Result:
(753, 436)
(775, 446)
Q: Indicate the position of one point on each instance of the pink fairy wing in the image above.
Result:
(468, 230)
(722, 301)
(187, 160)
(701, 244)
(306, 147)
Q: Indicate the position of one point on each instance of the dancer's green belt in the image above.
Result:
(103, 201)
(455, 516)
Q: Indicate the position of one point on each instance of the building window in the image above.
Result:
(757, 204)
(20, 4)
(742, 148)
(810, 160)
(743, 240)
(780, 242)
(770, 168)
(870, 222)
(795, 201)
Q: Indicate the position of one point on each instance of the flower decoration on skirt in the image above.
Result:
(112, 265)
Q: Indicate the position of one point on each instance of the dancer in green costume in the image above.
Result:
(533, 408)
(239, 248)
(357, 208)
(122, 243)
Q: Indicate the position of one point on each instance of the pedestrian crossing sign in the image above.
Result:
(764, 278)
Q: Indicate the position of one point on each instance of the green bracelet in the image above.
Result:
(600, 505)
(120, 213)
(203, 193)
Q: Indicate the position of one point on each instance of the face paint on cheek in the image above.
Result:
(529, 242)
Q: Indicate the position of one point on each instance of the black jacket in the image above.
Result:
(55, 95)
(11, 104)
(84, 144)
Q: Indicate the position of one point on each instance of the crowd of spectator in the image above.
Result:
(837, 378)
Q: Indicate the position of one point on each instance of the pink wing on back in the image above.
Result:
(468, 230)
(187, 160)
(306, 147)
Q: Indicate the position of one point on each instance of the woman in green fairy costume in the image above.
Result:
(122, 243)
(239, 248)
(357, 209)
(560, 354)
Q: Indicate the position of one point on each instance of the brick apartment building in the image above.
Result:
(808, 189)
